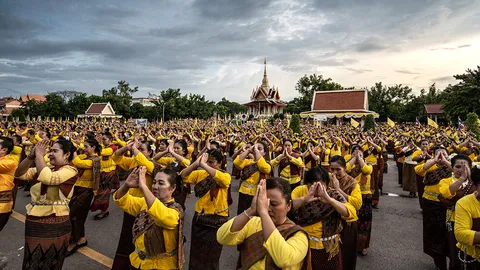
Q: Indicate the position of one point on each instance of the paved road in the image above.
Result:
(396, 235)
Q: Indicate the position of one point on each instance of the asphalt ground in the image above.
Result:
(396, 241)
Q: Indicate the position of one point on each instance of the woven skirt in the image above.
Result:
(46, 242)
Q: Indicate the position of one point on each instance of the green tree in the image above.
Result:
(306, 87)
(390, 101)
(18, 113)
(472, 123)
(137, 110)
(464, 97)
(120, 97)
(295, 123)
(54, 106)
(369, 123)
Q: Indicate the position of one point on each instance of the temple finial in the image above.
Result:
(265, 79)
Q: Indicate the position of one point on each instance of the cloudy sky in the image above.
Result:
(216, 47)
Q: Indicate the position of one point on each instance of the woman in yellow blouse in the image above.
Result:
(141, 152)
(87, 185)
(8, 165)
(320, 210)
(158, 225)
(467, 225)
(254, 167)
(290, 164)
(267, 237)
(361, 171)
(435, 242)
(47, 225)
(451, 190)
(312, 156)
(350, 190)
(211, 209)
(175, 157)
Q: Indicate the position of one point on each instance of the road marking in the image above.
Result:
(90, 253)
(392, 194)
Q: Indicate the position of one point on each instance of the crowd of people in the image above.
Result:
(305, 199)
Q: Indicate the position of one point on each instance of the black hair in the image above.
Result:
(217, 154)
(67, 147)
(461, 157)
(287, 140)
(282, 185)
(94, 143)
(164, 141)
(149, 147)
(215, 143)
(423, 140)
(475, 175)
(184, 146)
(31, 132)
(338, 159)
(316, 174)
(354, 146)
(108, 135)
(187, 137)
(22, 125)
(437, 147)
(6, 142)
(172, 176)
(90, 135)
(17, 138)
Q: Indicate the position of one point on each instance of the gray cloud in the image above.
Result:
(359, 70)
(404, 71)
(452, 48)
(444, 79)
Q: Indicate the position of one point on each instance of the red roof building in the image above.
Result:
(339, 104)
(434, 109)
(39, 98)
(265, 101)
(100, 110)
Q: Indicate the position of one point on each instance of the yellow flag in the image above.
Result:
(390, 122)
(432, 123)
(354, 123)
(76, 119)
(288, 123)
(261, 123)
(215, 124)
(317, 123)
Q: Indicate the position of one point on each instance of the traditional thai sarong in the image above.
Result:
(409, 178)
(349, 245)
(244, 202)
(374, 185)
(320, 260)
(435, 242)
(400, 173)
(420, 189)
(46, 242)
(79, 208)
(102, 199)
(125, 245)
(4, 219)
(365, 222)
(205, 251)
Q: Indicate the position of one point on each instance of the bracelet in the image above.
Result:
(245, 212)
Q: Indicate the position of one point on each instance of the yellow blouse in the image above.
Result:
(54, 202)
(129, 163)
(315, 230)
(466, 210)
(367, 171)
(165, 217)
(444, 189)
(287, 254)
(86, 179)
(431, 192)
(285, 173)
(8, 165)
(249, 186)
(16, 153)
(218, 206)
(107, 165)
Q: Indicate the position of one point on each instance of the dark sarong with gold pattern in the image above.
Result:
(125, 246)
(434, 228)
(46, 242)
(102, 199)
(205, 250)
(365, 222)
(79, 208)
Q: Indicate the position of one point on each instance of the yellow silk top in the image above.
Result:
(16, 153)
(316, 230)
(367, 171)
(205, 204)
(444, 189)
(8, 165)
(431, 192)
(285, 173)
(107, 165)
(129, 163)
(86, 179)
(166, 161)
(54, 202)
(249, 186)
(466, 210)
(287, 254)
(165, 217)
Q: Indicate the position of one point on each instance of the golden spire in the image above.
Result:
(265, 79)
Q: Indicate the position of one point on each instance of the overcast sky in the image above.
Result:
(216, 47)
